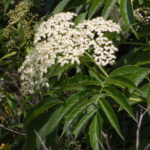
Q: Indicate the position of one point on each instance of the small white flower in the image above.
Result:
(59, 41)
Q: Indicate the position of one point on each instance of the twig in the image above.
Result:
(60, 143)
(142, 106)
(139, 126)
(42, 143)
(107, 141)
(146, 148)
(77, 147)
(101, 144)
(12, 130)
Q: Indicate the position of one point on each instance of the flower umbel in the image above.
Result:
(58, 40)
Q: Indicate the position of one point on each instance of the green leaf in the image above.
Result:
(54, 121)
(94, 75)
(37, 124)
(148, 99)
(139, 75)
(127, 14)
(49, 4)
(128, 69)
(121, 81)
(109, 5)
(141, 2)
(8, 55)
(78, 110)
(40, 108)
(119, 98)
(143, 90)
(6, 5)
(83, 122)
(49, 126)
(37, 3)
(89, 1)
(21, 30)
(96, 5)
(74, 4)
(110, 114)
(56, 69)
(81, 17)
(76, 82)
(95, 131)
(61, 6)
(30, 142)
(144, 30)
(12, 105)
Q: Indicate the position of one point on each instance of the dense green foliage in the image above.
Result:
(86, 106)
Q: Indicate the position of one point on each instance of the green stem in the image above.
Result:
(104, 72)
(100, 75)
(143, 63)
(135, 43)
(100, 67)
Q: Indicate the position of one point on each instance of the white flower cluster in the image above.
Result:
(142, 14)
(58, 40)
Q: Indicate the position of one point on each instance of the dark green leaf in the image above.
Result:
(30, 142)
(128, 69)
(6, 5)
(94, 75)
(36, 124)
(144, 30)
(77, 82)
(77, 111)
(109, 5)
(37, 2)
(56, 69)
(139, 75)
(83, 122)
(50, 125)
(49, 4)
(40, 108)
(61, 6)
(143, 90)
(121, 81)
(127, 14)
(95, 132)
(96, 5)
(54, 121)
(74, 4)
(148, 98)
(119, 98)
(110, 114)
(81, 17)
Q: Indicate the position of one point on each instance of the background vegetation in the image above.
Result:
(86, 107)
